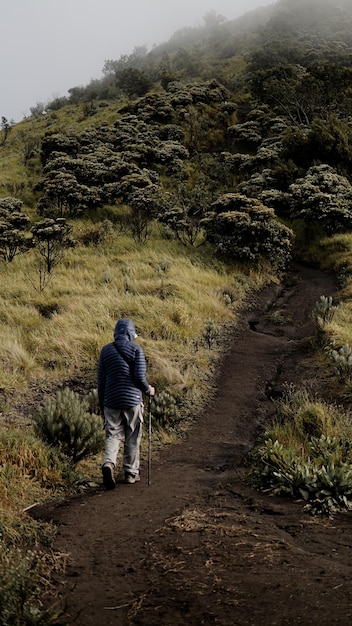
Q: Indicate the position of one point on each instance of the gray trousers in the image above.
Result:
(124, 425)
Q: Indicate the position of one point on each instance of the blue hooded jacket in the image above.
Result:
(122, 370)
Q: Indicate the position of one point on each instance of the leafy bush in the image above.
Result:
(65, 422)
(326, 488)
(25, 462)
(27, 466)
(324, 197)
(165, 411)
(14, 237)
(323, 314)
(211, 333)
(324, 309)
(12, 205)
(243, 228)
(342, 361)
(306, 455)
(97, 234)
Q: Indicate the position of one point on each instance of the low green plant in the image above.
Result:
(324, 309)
(326, 488)
(67, 423)
(92, 401)
(96, 234)
(330, 489)
(164, 266)
(331, 449)
(323, 314)
(280, 318)
(165, 411)
(211, 333)
(342, 361)
(306, 454)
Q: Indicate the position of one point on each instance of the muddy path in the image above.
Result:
(198, 545)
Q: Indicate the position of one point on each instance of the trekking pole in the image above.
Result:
(149, 440)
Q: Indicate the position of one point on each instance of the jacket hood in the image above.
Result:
(125, 328)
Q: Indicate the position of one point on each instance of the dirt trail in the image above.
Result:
(199, 546)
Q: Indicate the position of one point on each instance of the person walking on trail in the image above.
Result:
(121, 384)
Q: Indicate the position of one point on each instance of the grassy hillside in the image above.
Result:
(183, 301)
(138, 176)
(139, 169)
(183, 175)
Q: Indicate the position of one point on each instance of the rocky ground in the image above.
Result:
(198, 545)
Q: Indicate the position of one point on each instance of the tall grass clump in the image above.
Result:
(29, 471)
(333, 337)
(24, 575)
(306, 454)
(28, 468)
(169, 296)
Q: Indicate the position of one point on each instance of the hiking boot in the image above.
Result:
(108, 476)
(130, 479)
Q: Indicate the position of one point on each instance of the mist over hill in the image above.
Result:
(312, 28)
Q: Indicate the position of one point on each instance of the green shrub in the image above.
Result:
(211, 333)
(324, 309)
(96, 234)
(66, 423)
(243, 229)
(342, 361)
(29, 471)
(26, 565)
(323, 313)
(326, 488)
(165, 411)
(306, 454)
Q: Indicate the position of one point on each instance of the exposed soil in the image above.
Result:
(198, 545)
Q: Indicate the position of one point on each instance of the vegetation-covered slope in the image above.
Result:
(193, 168)
(190, 169)
(164, 192)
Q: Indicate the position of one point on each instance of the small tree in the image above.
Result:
(143, 204)
(183, 212)
(64, 195)
(6, 128)
(66, 423)
(14, 237)
(133, 82)
(51, 238)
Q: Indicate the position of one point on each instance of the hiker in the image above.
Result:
(121, 382)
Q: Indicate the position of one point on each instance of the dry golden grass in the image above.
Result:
(58, 332)
(169, 291)
(26, 467)
(335, 253)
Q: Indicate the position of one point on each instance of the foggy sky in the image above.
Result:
(49, 46)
